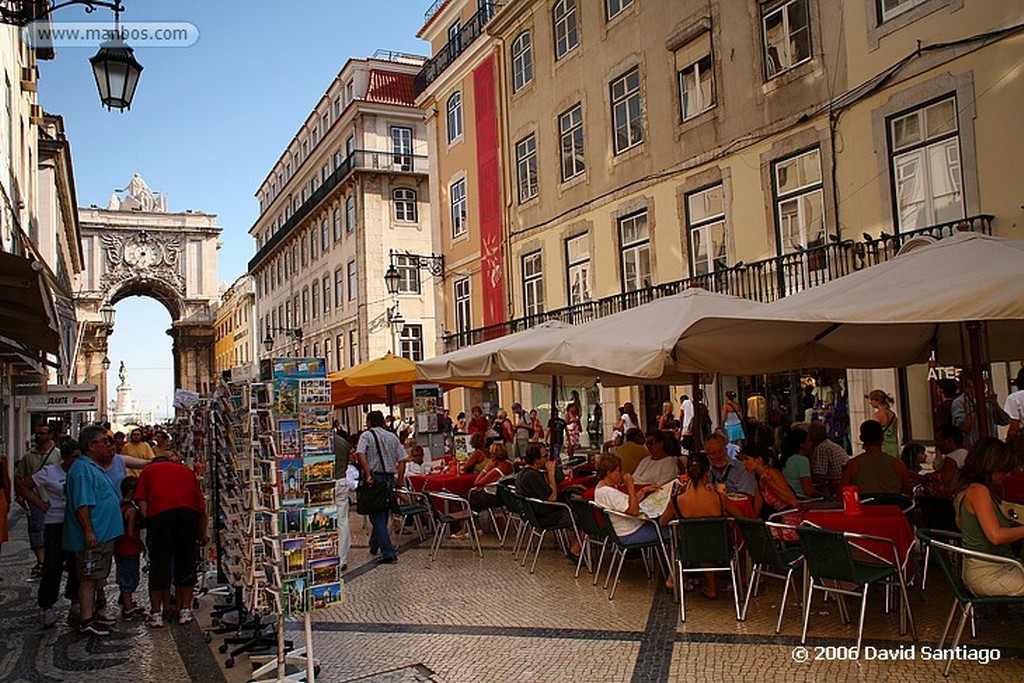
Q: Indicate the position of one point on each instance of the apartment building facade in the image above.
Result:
(236, 334)
(747, 148)
(350, 189)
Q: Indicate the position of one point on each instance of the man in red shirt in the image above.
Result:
(172, 504)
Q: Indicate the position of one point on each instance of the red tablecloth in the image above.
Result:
(745, 505)
(887, 521)
(459, 484)
(587, 481)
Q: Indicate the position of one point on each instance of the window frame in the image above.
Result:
(459, 218)
(705, 224)
(410, 342)
(572, 132)
(622, 6)
(527, 181)
(408, 274)
(769, 9)
(623, 104)
(401, 147)
(577, 264)
(681, 82)
(532, 282)
(453, 107)
(565, 27)
(463, 309)
(799, 194)
(352, 279)
(405, 197)
(635, 246)
(350, 213)
(339, 287)
(522, 61)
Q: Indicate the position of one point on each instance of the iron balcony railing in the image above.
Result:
(458, 44)
(764, 281)
(359, 160)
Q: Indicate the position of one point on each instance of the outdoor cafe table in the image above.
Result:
(459, 484)
(886, 521)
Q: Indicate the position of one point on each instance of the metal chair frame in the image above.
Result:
(442, 501)
(771, 563)
(620, 550)
(594, 534)
(677, 527)
(538, 529)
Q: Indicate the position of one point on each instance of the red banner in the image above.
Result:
(489, 195)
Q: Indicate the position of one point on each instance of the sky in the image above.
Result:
(207, 123)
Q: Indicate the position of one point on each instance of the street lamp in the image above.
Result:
(105, 363)
(107, 315)
(391, 279)
(114, 66)
(294, 333)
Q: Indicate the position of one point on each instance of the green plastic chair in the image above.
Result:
(768, 559)
(828, 557)
(416, 508)
(621, 548)
(450, 510)
(508, 499)
(594, 533)
(702, 544)
(963, 598)
(541, 524)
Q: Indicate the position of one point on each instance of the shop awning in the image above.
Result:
(26, 307)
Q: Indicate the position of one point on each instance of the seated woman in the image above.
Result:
(700, 499)
(985, 528)
(608, 495)
(494, 469)
(475, 463)
(796, 462)
(772, 494)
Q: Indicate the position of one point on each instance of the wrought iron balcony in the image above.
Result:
(764, 281)
(458, 44)
(359, 160)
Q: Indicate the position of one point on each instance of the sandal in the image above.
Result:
(707, 594)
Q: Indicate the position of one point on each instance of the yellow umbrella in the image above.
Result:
(388, 379)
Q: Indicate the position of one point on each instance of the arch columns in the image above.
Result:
(193, 356)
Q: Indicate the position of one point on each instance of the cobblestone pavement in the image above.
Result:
(132, 653)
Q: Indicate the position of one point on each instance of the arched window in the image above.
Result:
(454, 116)
(405, 204)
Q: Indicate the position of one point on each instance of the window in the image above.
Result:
(887, 9)
(567, 34)
(314, 300)
(799, 202)
(696, 75)
(454, 37)
(526, 167)
(409, 274)
(787, 35)
(411, 342)
(926, 172)
(305, 305)
(577, 269)
(350, 213)
(627, 120)
(635, 245)
(313, 242)
(302, 251)
(705, 221)
(295, 307)
(457, 198)
(522, 61)
(570, 132)
(325, 235)
(339, 287)
(533, 284)
(352, 284)
(339, 351)
(405, 204)
(316, 349)
(401, 146)
(353, 347)
(463, 317)
(288, 314)
(337, 224)
(613, 7)
(350, 146)
(327, 353)
(454, 117)
(327, 294)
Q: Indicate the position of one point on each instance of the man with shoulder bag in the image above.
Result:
(43, 453)
(377, 454)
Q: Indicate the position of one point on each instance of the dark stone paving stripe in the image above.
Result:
(467, 630)
(195, 654)
(654, 659)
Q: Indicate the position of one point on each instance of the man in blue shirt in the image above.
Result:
(727, 471)
(92, 520)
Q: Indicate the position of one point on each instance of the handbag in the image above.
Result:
(374, 496)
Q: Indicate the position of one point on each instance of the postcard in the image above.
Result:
(318, 468)
(294, 551)
(320, 493)
(326, 595)
(320, 519)
(315, 417)
(314, 391)
(319, 546)
(286, 396)
(290, 479)
(290, 437)
(294, 594)
(291, 519)
(317, 441)
(325, 570)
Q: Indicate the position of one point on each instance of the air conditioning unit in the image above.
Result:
(36, 114)
(29, 78)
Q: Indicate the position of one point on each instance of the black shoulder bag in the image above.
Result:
(374, 496)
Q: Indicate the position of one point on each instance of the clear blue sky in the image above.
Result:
(207, 123)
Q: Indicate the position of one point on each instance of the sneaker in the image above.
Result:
(93, 628)
(49, 617)
(98, 618)
(185, 617)
(155, 620)
(36, 573)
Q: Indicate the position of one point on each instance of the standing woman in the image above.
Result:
(885, 416)
(572, 425)
(732, 419)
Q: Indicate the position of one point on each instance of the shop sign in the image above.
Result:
(29, 384)
(64, 398)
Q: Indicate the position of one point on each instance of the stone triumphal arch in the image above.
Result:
(137, 247)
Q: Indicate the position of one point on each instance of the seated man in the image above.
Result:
(874, 470)
(829, 458)
(537, 480)
(726, 471)
(731, 449)
(658, 467)
(632, 450)
(949, 441)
